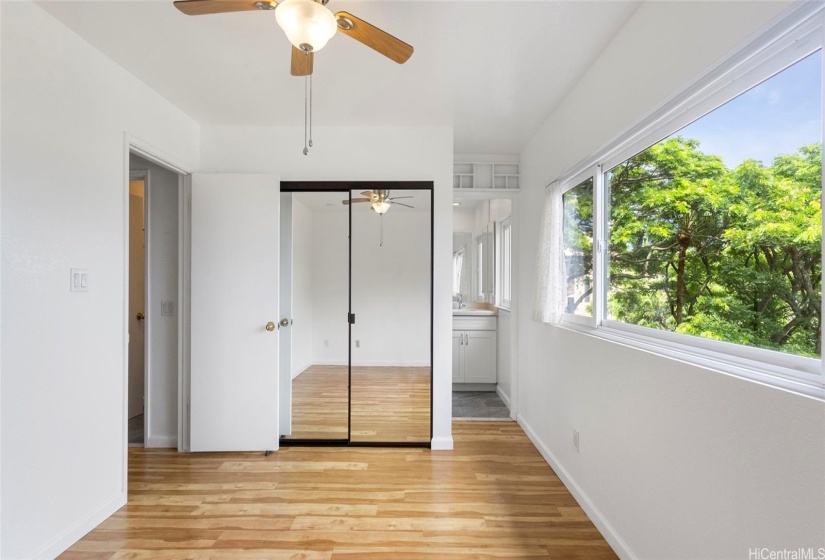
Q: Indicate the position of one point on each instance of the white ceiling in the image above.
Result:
(493, 70)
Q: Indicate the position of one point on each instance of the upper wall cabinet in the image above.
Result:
(470, 175)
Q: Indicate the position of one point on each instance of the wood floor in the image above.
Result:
(389, 404)
(493, 496)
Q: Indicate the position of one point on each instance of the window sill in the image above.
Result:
(771, 375)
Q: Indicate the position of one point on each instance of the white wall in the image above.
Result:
(362, 154)
(303, 289)
(330, 271)
(463, 219)
(65, 110)
(390, 288)
(676, 461)
(504, 342)
(162, 255)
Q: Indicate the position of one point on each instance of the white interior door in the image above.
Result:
(234, 294)
(285, 333)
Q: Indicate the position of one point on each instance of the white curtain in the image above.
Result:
(551, 287)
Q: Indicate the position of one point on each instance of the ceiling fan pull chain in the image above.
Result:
(306, 150)
(310, 110)
(381, 243)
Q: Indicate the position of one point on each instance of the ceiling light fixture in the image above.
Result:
(456, 204)
(380, 206)
(308, 25)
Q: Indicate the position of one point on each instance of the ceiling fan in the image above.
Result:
(380, 200)
(308, 25)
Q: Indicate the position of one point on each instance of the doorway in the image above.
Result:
(153, 311)
(137, 298)
(356, 327)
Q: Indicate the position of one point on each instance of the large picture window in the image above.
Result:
(716, 230)
(697, 234)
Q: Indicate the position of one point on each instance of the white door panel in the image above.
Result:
(234, 293)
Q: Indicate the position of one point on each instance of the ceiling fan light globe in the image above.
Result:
(306, 23)
(380, 207)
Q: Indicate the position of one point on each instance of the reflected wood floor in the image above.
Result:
(389, 404)
(493, 496)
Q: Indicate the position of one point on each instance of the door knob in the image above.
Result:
(285, 322)
(270, 326)
(140, 316)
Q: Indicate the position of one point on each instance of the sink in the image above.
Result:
(466, 311)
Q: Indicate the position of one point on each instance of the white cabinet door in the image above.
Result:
(234, 291)
(458, 359)
(480, 357)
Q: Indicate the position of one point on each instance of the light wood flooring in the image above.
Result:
(389, 404)
(493, 496)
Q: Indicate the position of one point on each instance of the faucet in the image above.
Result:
(460, 303)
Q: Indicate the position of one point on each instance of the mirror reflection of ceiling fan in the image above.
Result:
(308, 25)
(380, 201)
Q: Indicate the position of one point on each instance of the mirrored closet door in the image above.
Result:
(315, 302)
(356, 336)
(391, 301)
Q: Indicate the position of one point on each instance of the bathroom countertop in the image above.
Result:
(474, 312)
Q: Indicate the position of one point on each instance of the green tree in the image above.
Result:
(732, 255)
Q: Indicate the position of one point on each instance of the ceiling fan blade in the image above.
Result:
(202, 7)
(374, 38)
(402, 204)
(355, 200)
(302, 62)
(369, 194)
(400, 197)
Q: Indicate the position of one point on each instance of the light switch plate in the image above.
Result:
(167, 308)
(79, 280)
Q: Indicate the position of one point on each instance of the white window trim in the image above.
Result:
(791, 39)
(501, 227)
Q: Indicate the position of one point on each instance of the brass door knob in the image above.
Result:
(270, 326)
(140, 316)
(284, 322)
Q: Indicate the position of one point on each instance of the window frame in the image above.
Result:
(567, 186)
(799, 34)
(504, 262)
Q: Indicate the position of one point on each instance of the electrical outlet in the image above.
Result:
(357, 343)
(576, 440)
(326, 343)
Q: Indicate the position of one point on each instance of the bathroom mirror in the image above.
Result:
(485, 264)
(462, 267)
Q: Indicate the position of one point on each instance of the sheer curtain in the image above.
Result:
(551, 288)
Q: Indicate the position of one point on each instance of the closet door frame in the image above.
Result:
(348, 187)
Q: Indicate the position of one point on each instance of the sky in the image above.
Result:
(776, 117)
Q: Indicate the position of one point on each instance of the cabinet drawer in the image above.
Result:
(474, 323)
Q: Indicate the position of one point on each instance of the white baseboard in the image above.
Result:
(441, 443)
(462, 387)
(74, 533)
(162, 441)
(602, 524)
(503, 396)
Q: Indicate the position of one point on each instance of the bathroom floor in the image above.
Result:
(479, 404)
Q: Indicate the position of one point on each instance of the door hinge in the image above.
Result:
(351, 318)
